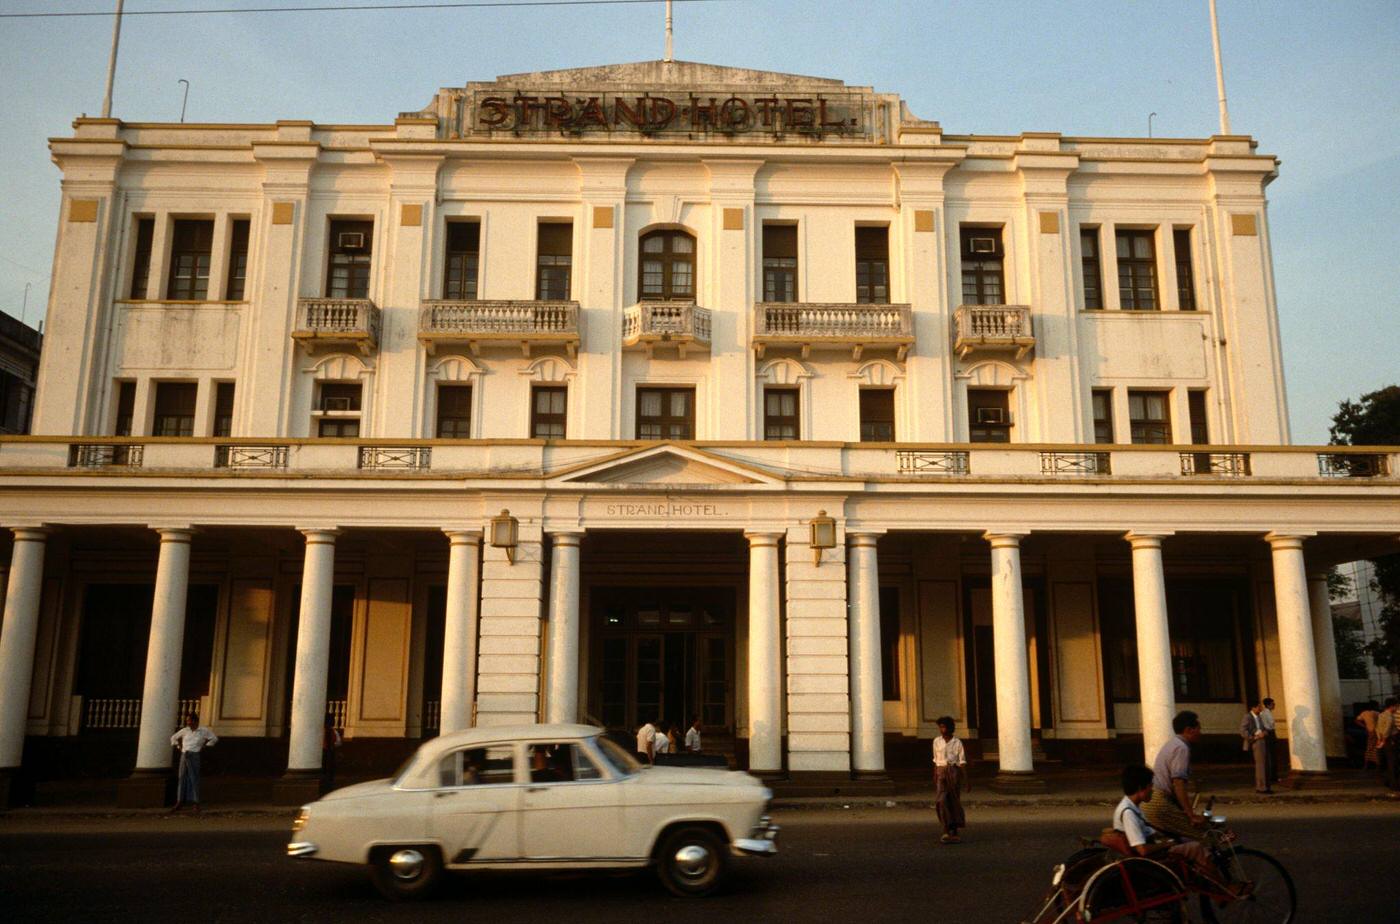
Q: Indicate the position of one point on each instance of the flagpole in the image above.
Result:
(1219, 71)
(669, 55)
(112, 63)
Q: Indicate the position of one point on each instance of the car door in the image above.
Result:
(572, 807)
(475, 808)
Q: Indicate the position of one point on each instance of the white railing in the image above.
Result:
(664, 321)
(336, 708)
(513, 318)
(432, 714)
(832, 321)
(332, 318)
(116, 714)
(995, 327)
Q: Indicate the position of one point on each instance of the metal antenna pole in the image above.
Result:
(24, 306)
(187, 98)
(1219, 71)
(669, 56)
(112, 62)
(1150, 117)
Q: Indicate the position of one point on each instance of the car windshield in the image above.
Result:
(616, 756)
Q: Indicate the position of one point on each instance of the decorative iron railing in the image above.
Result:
(663, 321)
(105, 455)
(1229, 464)
(250, 457)
(1075, 463)
(920, 462)
(395, 458)
(1352, 465)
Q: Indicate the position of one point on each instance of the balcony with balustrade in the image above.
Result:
(683, 325)
(840, 326)
(530, 325)
(993, 328)
(337, 322)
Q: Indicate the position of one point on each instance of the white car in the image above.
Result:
(538, 797)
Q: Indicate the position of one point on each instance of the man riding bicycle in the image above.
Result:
(1169, 810)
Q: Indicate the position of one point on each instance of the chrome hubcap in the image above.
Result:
(693, 861)
(406, 864)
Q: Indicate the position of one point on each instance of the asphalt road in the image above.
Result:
(857, 865)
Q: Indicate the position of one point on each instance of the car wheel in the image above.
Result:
(405, 872)
(691, 862)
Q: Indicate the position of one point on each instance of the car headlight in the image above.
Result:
(300, 821)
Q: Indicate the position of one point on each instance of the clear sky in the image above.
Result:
(1318, 84)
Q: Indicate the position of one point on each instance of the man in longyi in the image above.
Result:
(1169, 810)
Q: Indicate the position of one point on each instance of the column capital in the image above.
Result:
(1147, 539)
(865, 538)
(566, 536)
(759, 539)
(1005, 538)
(459, 535)
(1290, 539)
(319, 534)
(1318, 576)
(174, 533)
(31, 533)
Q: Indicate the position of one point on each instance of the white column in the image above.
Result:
(867, 697)
(561, 705)
(1302, 704)
(1009, 647)
(459, 629)
(313, 650)
(765, 662)
(161, 690)
(1329, 684)
(1157, 692)
(17, 636)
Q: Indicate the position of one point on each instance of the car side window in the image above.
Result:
(478, 766)
(564, 762)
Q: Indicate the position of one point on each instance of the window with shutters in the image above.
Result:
(237, 286)
(126, 408)
(1149, 416)
(665, 413)
(989, 415)
(351, 247)
(338, 409)
(1103, 415)
(454, 412)
(982, 256)
(1137, 270)
(877, 415)
(549, 412)
(553, 261)
(873, 266)
(141, 267)
(1092, 267)
(463, 261)
(780, 414)
(223, 409)
(174, 413)
(1185, 276)
(667, 266)
(191, 251)
(779, 263)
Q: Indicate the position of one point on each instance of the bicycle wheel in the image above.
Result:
(1268, 899)
(1135, 889)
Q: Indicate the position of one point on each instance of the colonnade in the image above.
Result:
(1309, 678)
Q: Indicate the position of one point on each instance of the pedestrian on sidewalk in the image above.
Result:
(1266, 718)
(192, 739)
(1256, 742)
(1388, 742)
(330, 743)
(1366, 718)
(646, 741)
(692, 736)
(950, 778)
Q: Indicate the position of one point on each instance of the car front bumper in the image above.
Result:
(301, 849)
(762, 840)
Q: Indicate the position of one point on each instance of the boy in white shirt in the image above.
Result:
(692, 736)
(646, 742)
(949, 774)
(1128, 820)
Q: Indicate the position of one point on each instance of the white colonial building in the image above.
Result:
(810, 419)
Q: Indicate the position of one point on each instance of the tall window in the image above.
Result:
(454, 412)
(873, 266)
(877, 415)
(889, 644)
(553, 261)
(1185, 277)
(223, 409)
(338, 409)
(667, 266)
(1149, 416)
(1137, 270)
(982, 255)
(1205, 628)
(1196, 407)
(191, 249)
(989, 415)
(549, 412)
(1093, 270)
(463, 261)
(351, 246)
(237, 261)
(174, 409)
(1102, 399)
(780, 414)
(780, 263)
(126, 408)
(665, 413)
(141, 268)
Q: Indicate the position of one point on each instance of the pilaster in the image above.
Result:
(817, 670)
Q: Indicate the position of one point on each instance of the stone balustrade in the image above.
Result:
(683, 325)
(993, 327)
(482, 323)
(807, 326)
(337, 322)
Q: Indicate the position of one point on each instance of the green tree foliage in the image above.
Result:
(1375, 421)
(1351, 659)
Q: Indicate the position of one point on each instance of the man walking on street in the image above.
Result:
(1266, 718)
(1169, 810)
(1256, 741)
(191, 740)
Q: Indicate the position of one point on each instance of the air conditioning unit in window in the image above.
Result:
(335, 403)
(351, 240)
(982, 245)
(991, 415)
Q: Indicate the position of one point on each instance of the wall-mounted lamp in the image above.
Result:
(823, 535)
(505, 533)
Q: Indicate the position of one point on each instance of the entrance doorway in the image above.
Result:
(663, 653)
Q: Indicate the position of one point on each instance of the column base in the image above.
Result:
(147, 788)
(297, 787)
(1306, 779)
(769, 776)
(1017, 781)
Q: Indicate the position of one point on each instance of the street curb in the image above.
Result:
(838, 803)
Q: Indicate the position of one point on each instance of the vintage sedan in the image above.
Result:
(538, 797)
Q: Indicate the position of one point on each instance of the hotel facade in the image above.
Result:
(656, 391)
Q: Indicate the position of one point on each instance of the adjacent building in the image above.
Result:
(665, 390)
(19, 368)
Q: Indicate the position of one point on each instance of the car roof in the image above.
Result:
(432, 749)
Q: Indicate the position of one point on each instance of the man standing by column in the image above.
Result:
(1256, 742)
(191, 740)
(1266, 718)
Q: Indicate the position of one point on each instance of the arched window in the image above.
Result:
(667, 266)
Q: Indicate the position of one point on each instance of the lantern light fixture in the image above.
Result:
(505, 533)
(823, 535)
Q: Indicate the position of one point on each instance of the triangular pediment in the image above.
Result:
(667, 464)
